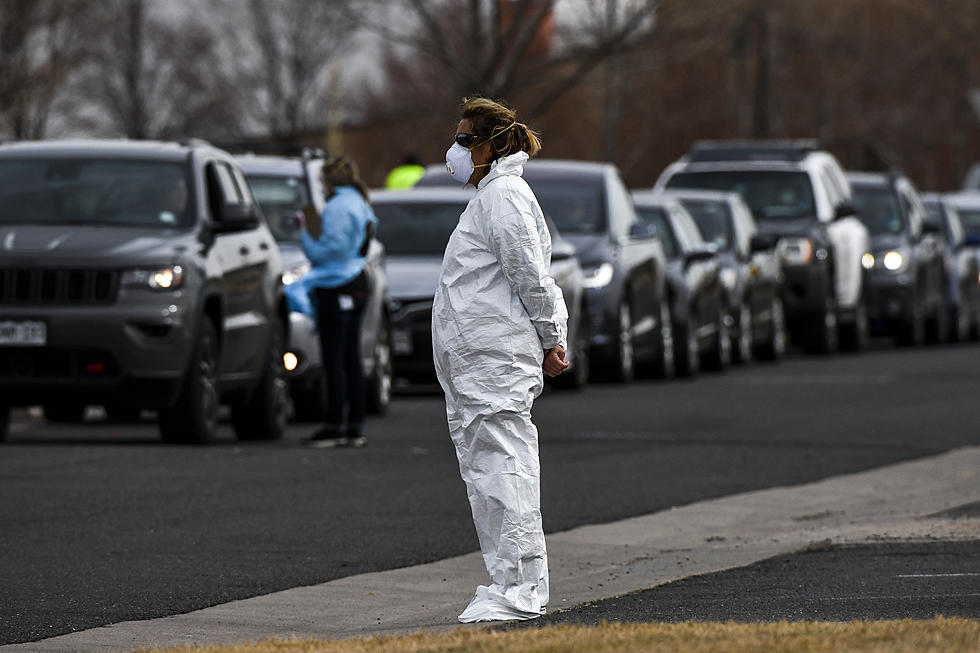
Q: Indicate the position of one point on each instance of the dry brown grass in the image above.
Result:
(939, 635)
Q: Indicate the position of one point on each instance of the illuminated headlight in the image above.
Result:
(295, 273)
(290, 361)
(598, 276)
(795, 251)
(170, 278)
(868, 261)
(728, 278)
(893, 261)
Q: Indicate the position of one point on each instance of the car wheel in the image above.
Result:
(4, 422)
(742, 338)
(70, 413)
(666, 367)
(854, 336)
(379, 385)
(823, 338)
(959, 324)
(912, 331)
(263, 415)
(937, 328)
(310, 402)
(194, 418)
(686, 351)
(622, 363)
(775, 345)
(576, 376)
(720, 355)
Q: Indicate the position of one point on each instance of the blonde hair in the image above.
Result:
(498, 123)
(341, 171)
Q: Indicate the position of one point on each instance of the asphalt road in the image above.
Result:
(100, 523)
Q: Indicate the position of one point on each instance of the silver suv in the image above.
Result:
(139, 275)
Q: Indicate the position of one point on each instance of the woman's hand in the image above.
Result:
(554, 361)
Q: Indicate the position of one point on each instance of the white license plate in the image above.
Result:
(401, 342)
(23, 332)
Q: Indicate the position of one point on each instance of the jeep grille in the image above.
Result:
(31, 287)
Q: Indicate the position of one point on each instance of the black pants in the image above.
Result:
(339, 318)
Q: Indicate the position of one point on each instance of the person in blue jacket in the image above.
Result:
(336, 242)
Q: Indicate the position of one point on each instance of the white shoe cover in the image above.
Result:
(488, 605)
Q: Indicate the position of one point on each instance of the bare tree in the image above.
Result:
(493, 47)
(157, 76)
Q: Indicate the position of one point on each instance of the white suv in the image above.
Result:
(800, 197)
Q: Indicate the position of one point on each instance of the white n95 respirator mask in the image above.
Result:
(459, 163)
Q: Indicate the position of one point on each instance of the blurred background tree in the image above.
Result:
(880, 82)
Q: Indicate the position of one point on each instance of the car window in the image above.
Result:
(656, 217)
(577, 207)
(771, 194)
(226, 183)
(622, 214)
(714, 220)
(94, 192)
(970, 218)
(687, 230)
(416, 228)
(834, 194)
(282, 199)
(878, 208)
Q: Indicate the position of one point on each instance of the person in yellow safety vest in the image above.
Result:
(405, 175)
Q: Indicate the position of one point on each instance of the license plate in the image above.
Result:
(23, 333)
(401, 342)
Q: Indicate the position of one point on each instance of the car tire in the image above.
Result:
(741, 339)
(823, 332)
(774, 346)
(937, 327)
(263, 415)
(4, 422)
(380, 383)
(70, 413)
(687, 358)
(720, 355)
(912, 331)
(193, 419)
(959, 324)
(576, 377)
(622, 362)
(310, 402)
(665, 366)
(854, 336)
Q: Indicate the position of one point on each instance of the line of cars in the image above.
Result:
(155, 275)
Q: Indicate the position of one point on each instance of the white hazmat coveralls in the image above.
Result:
(496, 310)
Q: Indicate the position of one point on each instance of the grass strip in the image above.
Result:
(940, 635)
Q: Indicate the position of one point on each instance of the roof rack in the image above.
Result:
(752, 150)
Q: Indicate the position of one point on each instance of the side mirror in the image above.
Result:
(761, 243)
(703, 252)
(845, 210)
(562, 250)
(640, 229)
(931, 227)
(233, 217)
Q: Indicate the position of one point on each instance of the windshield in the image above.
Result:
(656, 217)
(878, 208)
(416, 228)
(576, 206)
(971, 220)
(771, 194)
(94, 192)
(713, 220)
(282, 200)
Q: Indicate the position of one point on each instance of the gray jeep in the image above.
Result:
(139, 275)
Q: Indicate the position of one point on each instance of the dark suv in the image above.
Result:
(139, 275)
(906, 271)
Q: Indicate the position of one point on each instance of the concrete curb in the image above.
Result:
(587, 563)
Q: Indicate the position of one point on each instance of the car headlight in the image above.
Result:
(893, 260)
(168, 278)
(795, 251)
(295, 273)
(868, 261)
(598, 276)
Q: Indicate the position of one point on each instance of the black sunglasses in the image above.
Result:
(466, 140)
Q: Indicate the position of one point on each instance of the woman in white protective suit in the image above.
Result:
(498, 320)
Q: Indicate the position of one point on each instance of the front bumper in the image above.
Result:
(304, 343)
(135, 350)
(804, 293)
(891, 299)
(411, 344)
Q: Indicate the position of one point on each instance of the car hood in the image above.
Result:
(91, 242)
(881, 242)
(797, 227)
(591, 249)
(412, 277)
